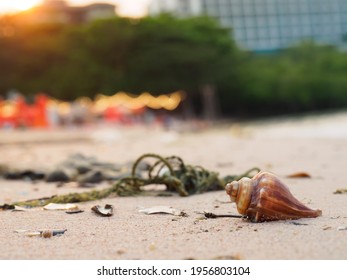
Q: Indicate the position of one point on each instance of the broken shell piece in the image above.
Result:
(299, 175)
(266, 198)
(20, 209)
(163, 210)
(74, 211)
(105, 211)
(57, 176)
(41, 233)
(50, 233)
(33, 233)
(340, 191)
(60, 206)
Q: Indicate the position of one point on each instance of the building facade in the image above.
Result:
(269, 25)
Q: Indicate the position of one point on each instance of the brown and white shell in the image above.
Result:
(266, 198)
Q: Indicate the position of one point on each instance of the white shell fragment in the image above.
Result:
(41, 233)
(20, 209)
(33, 233)
(105, 211)
(60, 206)
(162, 210)
(342, 228)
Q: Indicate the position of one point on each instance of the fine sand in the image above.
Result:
(315, 145)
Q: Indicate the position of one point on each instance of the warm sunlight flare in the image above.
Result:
(18, 5)
(130, 8)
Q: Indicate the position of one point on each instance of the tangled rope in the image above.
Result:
(169, 171)
(176, 176)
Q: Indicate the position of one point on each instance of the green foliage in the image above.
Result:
(164, 54)
(29, 56)
(306, 77)
(159, 54)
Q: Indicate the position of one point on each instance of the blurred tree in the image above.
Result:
(30, 56)
(301, 78)
(192, 54)
(163, 54)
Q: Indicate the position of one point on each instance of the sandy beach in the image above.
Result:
(316, 145)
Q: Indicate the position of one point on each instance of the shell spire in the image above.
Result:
(266, 198)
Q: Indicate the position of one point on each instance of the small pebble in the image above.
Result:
(152, 247)
(47, 234)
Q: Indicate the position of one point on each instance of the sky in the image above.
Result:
(132, 8)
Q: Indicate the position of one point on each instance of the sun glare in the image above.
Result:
(19, 5)
(132, 8)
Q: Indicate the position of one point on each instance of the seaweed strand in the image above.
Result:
(180, 178)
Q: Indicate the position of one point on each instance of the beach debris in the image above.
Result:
(175, 175)
(340, 191)
(94, 176)
(120, 252)
(106, 211)
(163, 210)
(266, 198)
(178, 177)
(57, 176)
(298, 224)
(7, 206)
(76, 211)
(75, 168)
(326, 227)
(152, 246)
(41, 233)
(24, 175)
(20, 209)
(342, 228)
(50, 233)
(299, 175)
(210, 215)
(60, 206)
(33, 233)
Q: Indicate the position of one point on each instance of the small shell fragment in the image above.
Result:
(60, 206)
(50, 233)
(46, 234)
(74, 211)
(20, 209)
(41, 233)
(162, 210)
(299, 175)
(105, 211)
(340, 191)
(33, 233)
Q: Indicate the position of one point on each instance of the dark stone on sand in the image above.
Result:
(92, 177)
(83, 169)
(26, 175)
(57, 176)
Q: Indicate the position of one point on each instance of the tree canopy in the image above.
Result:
(164, 54)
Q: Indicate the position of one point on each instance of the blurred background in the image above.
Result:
(154, 61)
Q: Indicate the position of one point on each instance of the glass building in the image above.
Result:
(269, 25)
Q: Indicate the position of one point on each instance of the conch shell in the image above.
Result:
(266, 198)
